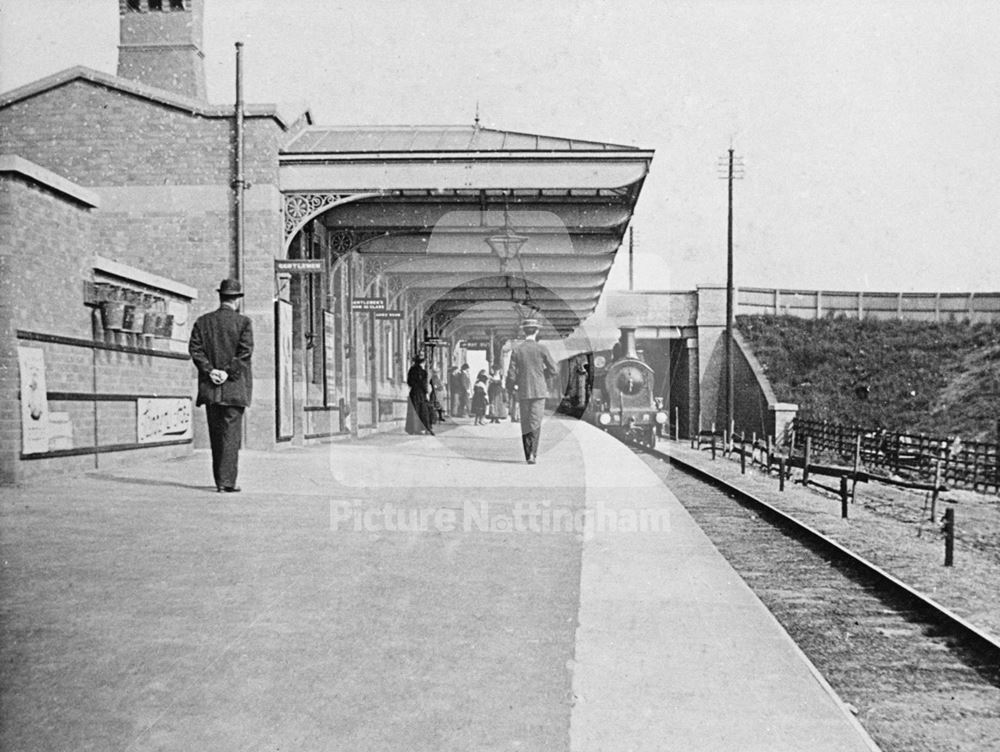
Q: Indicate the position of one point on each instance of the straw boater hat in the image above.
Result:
(527, 324)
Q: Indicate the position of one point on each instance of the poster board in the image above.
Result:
(163, 419)
(284, 384)
(34, 401)
(329, 357)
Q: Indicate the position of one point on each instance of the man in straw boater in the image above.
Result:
(530, 369)
(221, 346)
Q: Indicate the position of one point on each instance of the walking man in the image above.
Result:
(221, 346)
(531, 367)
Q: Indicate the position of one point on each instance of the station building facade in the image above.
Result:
(122, 207)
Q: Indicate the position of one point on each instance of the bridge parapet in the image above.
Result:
(653, 309)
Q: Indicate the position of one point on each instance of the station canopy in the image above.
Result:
(479, 227)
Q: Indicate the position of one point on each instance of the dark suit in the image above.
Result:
(530, 368)
(223, 340)
(418, 412)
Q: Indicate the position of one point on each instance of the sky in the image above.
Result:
(868, 130)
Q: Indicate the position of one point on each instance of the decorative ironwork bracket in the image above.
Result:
(299, 208)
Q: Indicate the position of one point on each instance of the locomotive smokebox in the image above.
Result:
(628, 342)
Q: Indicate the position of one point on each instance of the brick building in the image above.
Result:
(120, 213)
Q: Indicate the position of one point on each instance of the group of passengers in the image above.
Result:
(527, 384)
(484, 399)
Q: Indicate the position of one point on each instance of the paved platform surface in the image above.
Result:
(394, 593)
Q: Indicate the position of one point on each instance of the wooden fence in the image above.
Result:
(958, 464)
(768, 457)
(913, 306)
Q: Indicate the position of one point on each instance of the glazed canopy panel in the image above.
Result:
(428, 201)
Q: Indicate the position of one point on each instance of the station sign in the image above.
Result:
(367, 304)
(298, 266)
(435, 342)
(477, 344)
(390, 315)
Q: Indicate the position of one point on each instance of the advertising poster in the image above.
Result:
(329, 357)
(284, 383)
(34, 401)
(163, 419)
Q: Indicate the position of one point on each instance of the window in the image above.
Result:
(176, 4)
(134, 5)
(156, 4)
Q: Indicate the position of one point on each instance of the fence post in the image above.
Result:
(781, 473)
(949, 537)
(805, 463)
(713, 445)
(975, 467)
(857, 464)
(743, 455)
(937, 488)
(996, 460)
(677, 422)
(843, 496)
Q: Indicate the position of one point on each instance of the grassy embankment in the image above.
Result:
(938, 379)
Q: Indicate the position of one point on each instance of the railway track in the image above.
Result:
(920, 677)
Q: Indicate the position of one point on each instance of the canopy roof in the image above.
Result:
(410, 138)
(422, 203)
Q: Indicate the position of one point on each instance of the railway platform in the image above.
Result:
(393, 593)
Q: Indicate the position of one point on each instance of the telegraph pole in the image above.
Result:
(734, 172)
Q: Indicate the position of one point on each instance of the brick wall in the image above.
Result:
(47, 245)
(96, 135)
(167, 207)
(46, 240)
(41, 234)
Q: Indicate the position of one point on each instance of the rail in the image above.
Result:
(979, 640)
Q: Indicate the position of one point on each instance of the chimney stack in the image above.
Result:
(160, 45)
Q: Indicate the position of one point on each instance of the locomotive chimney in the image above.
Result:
(628, 342)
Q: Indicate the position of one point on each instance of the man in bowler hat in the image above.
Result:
(221, 346)
(531, 367)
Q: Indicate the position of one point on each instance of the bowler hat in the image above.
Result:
(230, 288)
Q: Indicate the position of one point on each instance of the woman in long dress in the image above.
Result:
(479, 398)
(498, 398)
(418, 409)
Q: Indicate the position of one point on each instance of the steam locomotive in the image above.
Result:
(621, 400)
